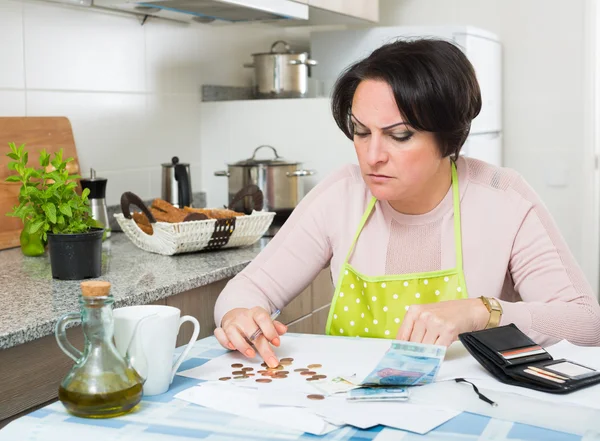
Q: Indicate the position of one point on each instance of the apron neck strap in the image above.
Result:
(363, 221)
(457, 221)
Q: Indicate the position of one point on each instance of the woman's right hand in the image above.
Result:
(239, 324)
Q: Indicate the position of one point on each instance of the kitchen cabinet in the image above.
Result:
(30, 373)
(362, 9)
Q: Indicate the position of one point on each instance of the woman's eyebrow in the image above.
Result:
(383, 128)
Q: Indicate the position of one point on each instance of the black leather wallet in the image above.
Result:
(513, 358)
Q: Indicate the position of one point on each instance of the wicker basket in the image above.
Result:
(186, 237)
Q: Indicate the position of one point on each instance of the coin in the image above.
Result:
(311, 379)
(276, 368)
(300, 370)
(280, 376)
(248, 374)
(241, 377)
(315, 397)
(283, 372)
(224, 378)
(314, 366)
(287, 359)
(285, 363)
(263, 380)
(319, 377)
(308, 373)
(264, 364)
(247, 369)
(238, 373)
(237, 365)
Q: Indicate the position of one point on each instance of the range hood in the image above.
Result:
(207, 11)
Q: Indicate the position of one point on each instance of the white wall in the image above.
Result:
(545, 94)
(132, 92)
(231, 130)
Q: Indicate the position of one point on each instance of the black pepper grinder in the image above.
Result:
(97, 197)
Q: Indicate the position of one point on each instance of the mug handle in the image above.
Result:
(188, 347)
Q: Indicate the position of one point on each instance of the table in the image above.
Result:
(165, 418)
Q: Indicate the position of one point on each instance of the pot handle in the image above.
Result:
(286, 46)
(248, 64)
(307, 62)
(252, 191)
(222, 173)
(268, 146)
(300, 173)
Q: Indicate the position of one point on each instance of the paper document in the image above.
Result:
(244, 402)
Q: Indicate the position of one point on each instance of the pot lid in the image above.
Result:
(286, 47)
(277, 160)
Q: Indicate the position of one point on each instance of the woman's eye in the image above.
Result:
(361, 134)
(402, 138)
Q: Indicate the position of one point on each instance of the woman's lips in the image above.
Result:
(379, 178)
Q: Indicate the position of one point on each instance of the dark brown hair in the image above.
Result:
(434, 84)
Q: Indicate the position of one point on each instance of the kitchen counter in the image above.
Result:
(31, 301)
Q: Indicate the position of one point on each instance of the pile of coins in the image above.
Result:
(279, 372)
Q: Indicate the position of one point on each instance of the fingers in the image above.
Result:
(238, 337)
(419, 330)
(430, 337)
(222, 338)
(242, 324)
(448, 335)
(266, 351)
(280, 327)
(266, 325)
(406, 327)
(444, 340)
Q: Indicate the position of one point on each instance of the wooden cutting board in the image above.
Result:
(37, 133)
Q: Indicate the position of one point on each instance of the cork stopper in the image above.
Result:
(95, 288)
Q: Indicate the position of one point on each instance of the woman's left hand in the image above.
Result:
(440, 323)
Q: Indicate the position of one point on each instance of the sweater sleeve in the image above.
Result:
(558, 302)
(293, 258)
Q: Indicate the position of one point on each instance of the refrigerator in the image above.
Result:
(336, 50)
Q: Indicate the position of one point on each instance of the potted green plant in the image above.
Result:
(52, 211)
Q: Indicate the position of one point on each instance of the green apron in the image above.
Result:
(374, 307)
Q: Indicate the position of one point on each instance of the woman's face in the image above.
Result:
(396, 161)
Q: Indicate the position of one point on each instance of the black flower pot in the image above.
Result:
(76, 256)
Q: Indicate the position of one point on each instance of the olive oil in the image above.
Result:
(101, 405)
(101, 383)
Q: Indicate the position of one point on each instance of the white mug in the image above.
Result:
(153, 342)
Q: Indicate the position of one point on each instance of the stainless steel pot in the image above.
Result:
(278, 179)
(281, 74)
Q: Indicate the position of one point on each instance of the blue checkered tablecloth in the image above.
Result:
(165, 418)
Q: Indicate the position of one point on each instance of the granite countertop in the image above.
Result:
(31, 301)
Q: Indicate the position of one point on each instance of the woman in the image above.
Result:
(423, 244)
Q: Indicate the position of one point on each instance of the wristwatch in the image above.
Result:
(495, 309)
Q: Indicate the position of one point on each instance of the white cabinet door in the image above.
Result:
(365, 9)
(486, 57)
(485, 147)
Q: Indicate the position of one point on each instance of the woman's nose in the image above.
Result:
(376, 152)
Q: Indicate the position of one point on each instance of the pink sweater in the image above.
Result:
(511, 246)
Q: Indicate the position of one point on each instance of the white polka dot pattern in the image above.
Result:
(353, 312)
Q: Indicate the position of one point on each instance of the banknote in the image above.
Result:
(407, 364)
(378, 394)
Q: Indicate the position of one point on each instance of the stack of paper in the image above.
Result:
(363, 361)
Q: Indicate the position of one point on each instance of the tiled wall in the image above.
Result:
(132, 92)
